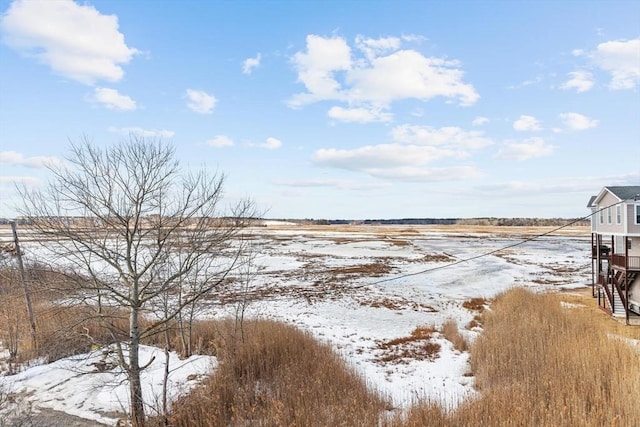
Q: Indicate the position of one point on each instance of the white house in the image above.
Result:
(615, 250)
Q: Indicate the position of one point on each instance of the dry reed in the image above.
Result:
(539, 364)
(278, 376)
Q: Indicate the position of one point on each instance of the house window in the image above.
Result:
(601, 216)
(609, 215)
(637, 214)
(618, 214)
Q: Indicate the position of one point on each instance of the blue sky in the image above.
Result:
(337, 109)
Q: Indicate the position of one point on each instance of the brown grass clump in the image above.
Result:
(437, 258)
(475, 304)
(476, 322)
(374, 269)
(398, 303)
(417, 346)
(278, 376)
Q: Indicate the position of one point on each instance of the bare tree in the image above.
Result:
(138, 228)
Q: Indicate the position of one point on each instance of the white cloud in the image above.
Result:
(359, 115)
(566, 185)
(527, 123)
(449, 136)
(200, 102)
(408, 74)
(414, 38)
(220, 141)
(579, 80)
(395, 162)
(376, 47)
(411, 155)
(589, 184)
(334, 183)
(250, 63)
(74, 40)
(526, 83)
(379, 156)
(13, 158)
(316, 68)
(113, 100)
(415, 174)
(384, 74)
(576, 121)
(28, 181)
(145, 133)
(529, 149)
(620, 58)
(271, 144)
(479, 121)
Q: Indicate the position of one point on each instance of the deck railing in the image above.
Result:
(630, 262)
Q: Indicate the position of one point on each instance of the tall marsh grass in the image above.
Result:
(278, 376)
(539, 364)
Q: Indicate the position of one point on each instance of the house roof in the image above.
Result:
(591, 200)
(623, 193)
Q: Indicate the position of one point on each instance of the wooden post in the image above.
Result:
(626, 277)
(25, 286)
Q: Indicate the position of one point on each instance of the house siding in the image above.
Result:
(632, 227)
(635, 246)
(607, 227)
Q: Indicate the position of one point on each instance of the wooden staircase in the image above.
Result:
(617, 307)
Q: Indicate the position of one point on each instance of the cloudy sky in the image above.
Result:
(337, 109)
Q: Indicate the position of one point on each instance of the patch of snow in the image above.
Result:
(90, 385)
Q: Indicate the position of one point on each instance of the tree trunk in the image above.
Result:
(135, 385)
(165, 379)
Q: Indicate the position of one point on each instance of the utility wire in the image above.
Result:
(441, 267)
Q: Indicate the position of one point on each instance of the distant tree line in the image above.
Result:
(492, 221)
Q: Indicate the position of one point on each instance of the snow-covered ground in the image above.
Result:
(356, 288)
(90, 386)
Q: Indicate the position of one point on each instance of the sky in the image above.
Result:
(336, 109)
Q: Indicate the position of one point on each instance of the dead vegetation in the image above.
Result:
(278, 376)
(417, 346)
(475, 304)
(374, 269)
(539, 364)
(397, 303)
(443, 257)
(451, 333)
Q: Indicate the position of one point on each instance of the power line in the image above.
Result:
(452, 264)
